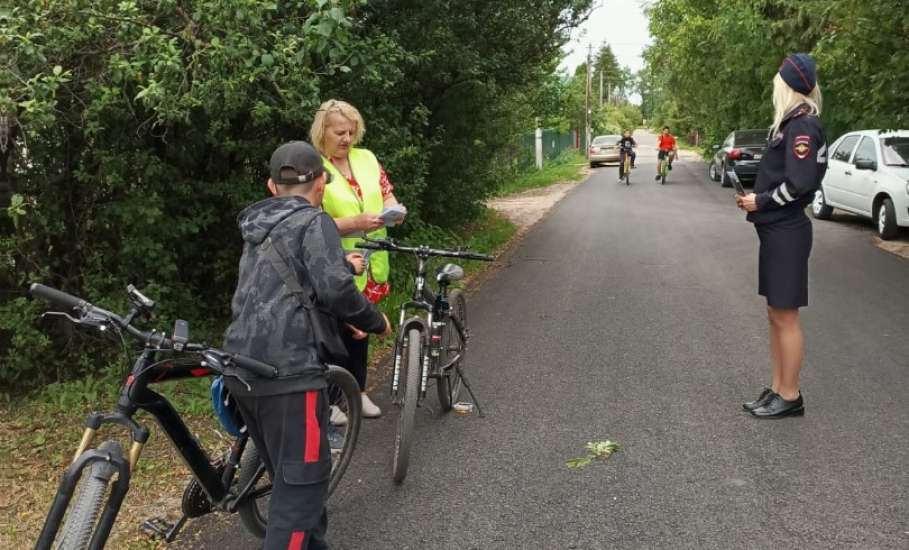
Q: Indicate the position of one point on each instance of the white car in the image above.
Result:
(868, 174)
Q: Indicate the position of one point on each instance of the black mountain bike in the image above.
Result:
(215, 485)
(430, 344)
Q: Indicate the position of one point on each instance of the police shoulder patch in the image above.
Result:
(801, 146)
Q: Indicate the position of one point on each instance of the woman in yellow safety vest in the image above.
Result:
(362, 190)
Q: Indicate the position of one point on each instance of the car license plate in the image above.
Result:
(757, 157)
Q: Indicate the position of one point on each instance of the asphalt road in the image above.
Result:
(631, 314)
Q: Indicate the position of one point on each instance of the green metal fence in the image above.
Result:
(554, 143)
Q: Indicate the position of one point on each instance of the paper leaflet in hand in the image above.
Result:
(393, 214)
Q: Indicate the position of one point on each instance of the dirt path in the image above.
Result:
(528, 207)
(899, 247)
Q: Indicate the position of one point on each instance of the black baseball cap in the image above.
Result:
(297, 161)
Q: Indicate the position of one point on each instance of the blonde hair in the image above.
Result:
(320, 122)
(785, 99)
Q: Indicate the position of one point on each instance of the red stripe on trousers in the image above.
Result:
(296, 540)
(311, 452)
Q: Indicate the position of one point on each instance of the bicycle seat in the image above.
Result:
(449, 272)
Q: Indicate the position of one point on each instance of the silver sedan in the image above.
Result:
(604, 149)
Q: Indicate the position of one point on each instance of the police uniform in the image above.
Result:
(789, 175)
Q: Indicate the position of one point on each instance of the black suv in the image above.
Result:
(741, 152)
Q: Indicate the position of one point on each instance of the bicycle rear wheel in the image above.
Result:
(411, 365)
(450, 383)
(86, 507)
(344, 399)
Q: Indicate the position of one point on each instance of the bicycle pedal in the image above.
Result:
(157, 528)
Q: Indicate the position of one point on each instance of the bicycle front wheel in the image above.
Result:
(86, 507)
(411, 365)
(452, 345)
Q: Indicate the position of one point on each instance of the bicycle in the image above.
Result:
(663, 168)
(625, 166)
(430, 347)
(213, 487)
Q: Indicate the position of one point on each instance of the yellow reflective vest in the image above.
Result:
(341, 201)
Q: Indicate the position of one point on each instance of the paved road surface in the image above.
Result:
(631, 314)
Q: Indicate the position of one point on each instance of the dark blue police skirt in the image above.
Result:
(783, 262)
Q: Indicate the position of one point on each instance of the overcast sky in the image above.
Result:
(620, 23)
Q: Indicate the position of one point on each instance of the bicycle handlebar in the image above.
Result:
(56, 296)
(425, 251)
(156, 339)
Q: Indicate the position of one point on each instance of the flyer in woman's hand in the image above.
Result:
(393, 214)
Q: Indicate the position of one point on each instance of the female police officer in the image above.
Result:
(790, 173)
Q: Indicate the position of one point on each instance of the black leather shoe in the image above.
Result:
(777, 407)
(762, 400)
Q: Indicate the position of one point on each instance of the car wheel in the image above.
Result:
(819, 207)
(724, 179)
(712, 173)
(886, 220)
(593, 165)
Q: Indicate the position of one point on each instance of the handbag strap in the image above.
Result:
(270, 249)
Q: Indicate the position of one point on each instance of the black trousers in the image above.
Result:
(358, 351)
(290, 434)
(622, 162)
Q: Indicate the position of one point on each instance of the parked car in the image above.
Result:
(742, 152)
(868, 175)
(604, 149)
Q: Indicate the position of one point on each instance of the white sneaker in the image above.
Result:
(337, 417)
(370, 410)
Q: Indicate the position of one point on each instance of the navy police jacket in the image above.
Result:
(792, 168)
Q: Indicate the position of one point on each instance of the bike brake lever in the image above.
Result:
(88, 321)
(67, 316)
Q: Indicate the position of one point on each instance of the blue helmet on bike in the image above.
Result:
(225, 408)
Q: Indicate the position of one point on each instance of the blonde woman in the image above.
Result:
(790, 173)
(360, 192)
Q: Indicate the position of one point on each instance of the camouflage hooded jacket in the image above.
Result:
(269, 323)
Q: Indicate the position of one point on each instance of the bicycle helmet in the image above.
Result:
(225, 408)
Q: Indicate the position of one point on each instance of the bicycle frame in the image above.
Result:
(135, 395)
(437, 315)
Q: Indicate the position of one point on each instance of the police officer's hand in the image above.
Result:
(747, 202)
(369, 222)
(357, 261)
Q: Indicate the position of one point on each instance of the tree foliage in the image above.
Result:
(561, 102)
(137, 130)
(711, 62)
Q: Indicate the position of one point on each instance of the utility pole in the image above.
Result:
(587, 105)
(601, 86)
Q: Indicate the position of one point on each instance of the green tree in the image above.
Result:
(711, 64)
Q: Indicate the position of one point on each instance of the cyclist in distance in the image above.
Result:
(626, 146)
(668, 149)
(287, 416)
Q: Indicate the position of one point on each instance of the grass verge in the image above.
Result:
(565, 168)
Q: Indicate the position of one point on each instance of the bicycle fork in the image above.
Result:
(83, 459)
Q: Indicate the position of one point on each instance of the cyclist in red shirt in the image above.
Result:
(668, 150)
